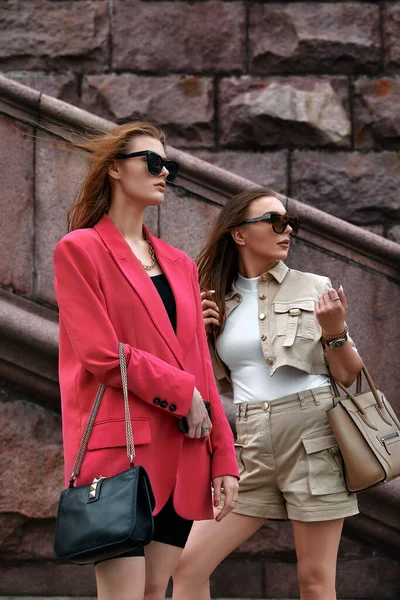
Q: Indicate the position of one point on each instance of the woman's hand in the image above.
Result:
(230, 485)
(330, 310)
(210, 311)
(197, 418)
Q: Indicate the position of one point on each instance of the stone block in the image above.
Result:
(265, 168)
(185, 221)
(376, 114)
(375, 578)
(378, 229)
(26, 539)
(393, 233)
(42, 579)
(58, 85)
(183, 106)
(16, 183)
(280, 579)
(179, 36)
(59, 173)
(359, 188)
(391, 30)
(309, 37)
(32, 457)
(277, 111)
(54, 35)
(274, 539)
(237, 577)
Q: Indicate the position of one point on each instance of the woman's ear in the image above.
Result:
(238, 236)
(113, 170)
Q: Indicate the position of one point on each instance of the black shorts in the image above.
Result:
(169, 528)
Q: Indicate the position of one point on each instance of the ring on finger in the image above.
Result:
(334, 299)
(205, 428)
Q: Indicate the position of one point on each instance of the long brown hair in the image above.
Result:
(218, 261)
(93, 198)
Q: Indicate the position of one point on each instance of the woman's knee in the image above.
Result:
(315, 578)
(187, 575)
(154, 592)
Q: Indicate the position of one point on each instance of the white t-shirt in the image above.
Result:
(239, 346)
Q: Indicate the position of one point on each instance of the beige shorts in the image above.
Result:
(290, 464)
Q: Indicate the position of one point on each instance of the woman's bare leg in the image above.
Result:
(316, 548)
(208, 544)
(121, 578)
(138, 578)
(161, 560)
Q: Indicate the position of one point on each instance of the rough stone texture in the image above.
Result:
(59, 172)
(306, 37)
(360, 188)
(26, 539)
(238, 577)
(376, 115)
(58, 85)
(280, 111)
(392, 38)
(274, 539)
(185, 221)
(372, 579)
(183, 106)
(378, 229)
(179, 37)
(61, 35)
(16, 184)
(394, 233)
(47, 579)
(32, 476)
(265, 168)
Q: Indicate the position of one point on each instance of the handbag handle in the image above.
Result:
(130, 446)
(353, 397)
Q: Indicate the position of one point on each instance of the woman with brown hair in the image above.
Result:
(273, 331)
(116, 282)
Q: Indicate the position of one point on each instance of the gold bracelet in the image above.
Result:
(337, 336)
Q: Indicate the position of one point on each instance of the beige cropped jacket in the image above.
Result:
(289, 331)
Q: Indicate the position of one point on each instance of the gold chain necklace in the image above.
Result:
(152, 255)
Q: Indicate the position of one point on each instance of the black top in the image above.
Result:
(164, 289)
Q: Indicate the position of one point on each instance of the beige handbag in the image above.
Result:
(368, 435)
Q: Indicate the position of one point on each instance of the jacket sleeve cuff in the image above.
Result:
(224, 463)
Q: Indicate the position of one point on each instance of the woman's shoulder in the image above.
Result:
(321, 281)
(79, 237)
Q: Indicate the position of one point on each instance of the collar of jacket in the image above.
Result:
(278, 272)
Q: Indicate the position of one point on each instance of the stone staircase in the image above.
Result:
(364, 263)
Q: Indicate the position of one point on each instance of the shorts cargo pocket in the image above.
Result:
(325, 467)
(295, 319)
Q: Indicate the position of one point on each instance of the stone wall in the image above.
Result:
(302, 96)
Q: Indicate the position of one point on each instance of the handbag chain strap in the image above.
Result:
(130, 446)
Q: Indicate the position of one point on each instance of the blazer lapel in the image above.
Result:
(137, 277)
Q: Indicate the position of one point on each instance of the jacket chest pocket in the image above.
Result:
(295, 319)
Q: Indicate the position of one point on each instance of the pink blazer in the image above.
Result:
(105, 296)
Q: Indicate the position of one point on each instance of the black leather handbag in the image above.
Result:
(112, 515)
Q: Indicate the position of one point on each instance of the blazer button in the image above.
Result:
(172, 407)
(156, 401)
(163, 404)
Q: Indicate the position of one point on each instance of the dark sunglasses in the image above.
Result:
(156, 163)
(278, 222)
